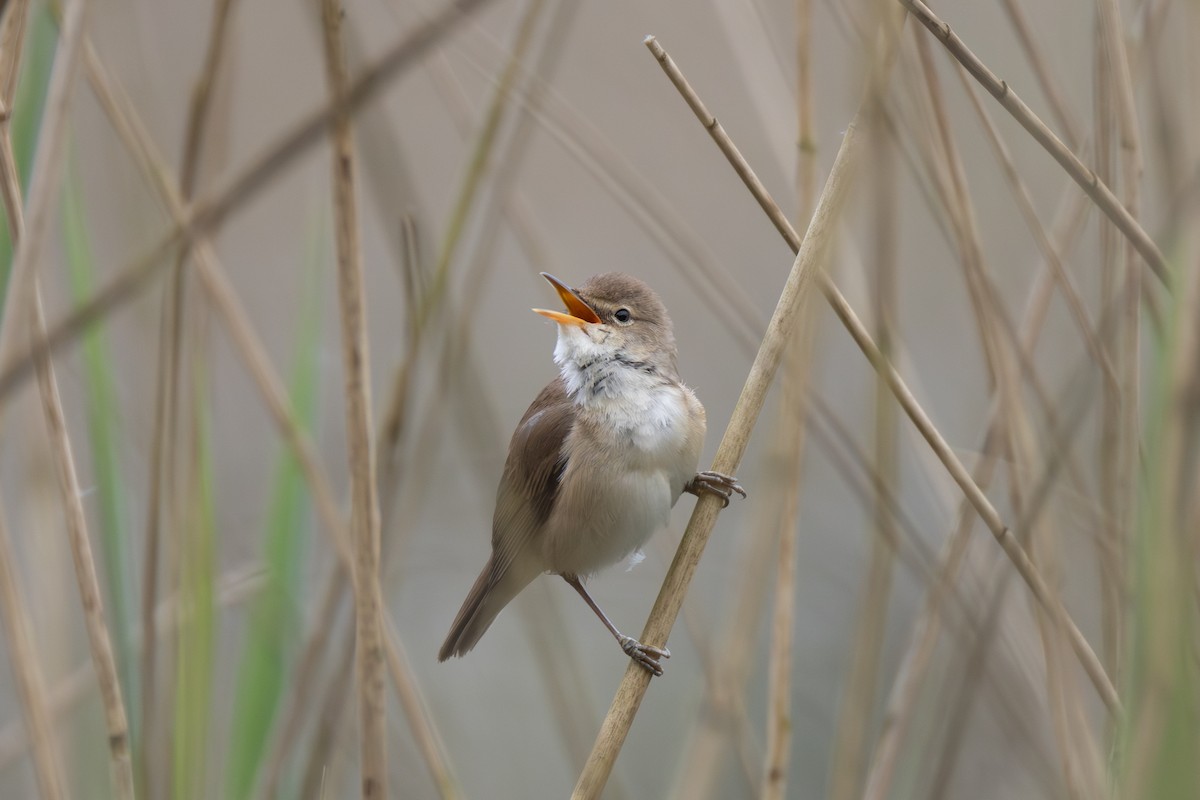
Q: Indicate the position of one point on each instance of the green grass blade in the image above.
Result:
(41, 40)
(197, 632)
(274, 620)
(1160, 739)
(104, 431)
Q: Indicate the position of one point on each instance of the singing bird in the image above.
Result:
(598, 460)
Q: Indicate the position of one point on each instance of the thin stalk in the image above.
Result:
(364, 506)
(162, 492)
(809, 260)
(792, 433)
(24, 295)
(45, 179)
(1128, 356)
(210, 211)
(27, 674)
(99, 640)
(68, 692)
(1018, 432)
(1037, 60)
(104, 436)
(248, 344)
(1091, 184)
(850, 753)
(912, 408)
(1110, 568)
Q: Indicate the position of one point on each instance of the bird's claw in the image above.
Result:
(716, 483)
(646, 656)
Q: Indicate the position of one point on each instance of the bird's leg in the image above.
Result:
(723, 486)
(646, 656)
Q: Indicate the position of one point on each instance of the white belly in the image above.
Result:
(607, 524)
(624, 473)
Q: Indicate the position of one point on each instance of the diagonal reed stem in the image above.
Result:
(808, 262)
(208, 212)
(983, 506)
(1079, 172)
(249, 346)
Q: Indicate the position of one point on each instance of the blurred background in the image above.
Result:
(542, 135)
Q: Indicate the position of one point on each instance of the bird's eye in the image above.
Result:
(623, 316)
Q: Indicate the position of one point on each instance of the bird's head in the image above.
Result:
(616, 318)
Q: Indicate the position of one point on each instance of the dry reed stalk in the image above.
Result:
(1004, 704)
(1037, 61)
(1058, 270)
(1079, 754)
(916, 413)
(559, 662)
(429, 741)
(303, 688)
(12, 41)
(1096, 189)
(506, 204)
(700, 764)
(727, 659)
(434, 305)
(568, 691)
(364, 501)
(225, 300)
(24, 294)
(249, 346)
(860, 472)
(913, 667)
(164, 434)
(1129, 421)
(1073, 746)
(1020, 439)
(792, 432)
(1110, 488)
(631, 190)
(31, 690)
(1081, 647)
(649, 209)
(13, 18)
(1168, 129)
(1082, 394)
(851, 750)
(99, 640)
(809, 260)
(234, 587)
(478, 163)
(960, 703)
(560, 667)
(923, 639)
(44, 181)
(330, 714)
(706, 749)
(208, 212)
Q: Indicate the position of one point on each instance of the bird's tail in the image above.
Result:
(490, 594)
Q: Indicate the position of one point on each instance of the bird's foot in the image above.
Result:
(647, 657)
(723, 486)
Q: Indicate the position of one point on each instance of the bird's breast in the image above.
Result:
(650, 426)
(627, 462)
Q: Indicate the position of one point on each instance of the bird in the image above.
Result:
(597, 461)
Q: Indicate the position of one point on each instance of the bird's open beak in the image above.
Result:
(579, 311)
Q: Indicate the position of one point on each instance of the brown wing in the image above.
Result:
(527, 492)
(529, 485)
